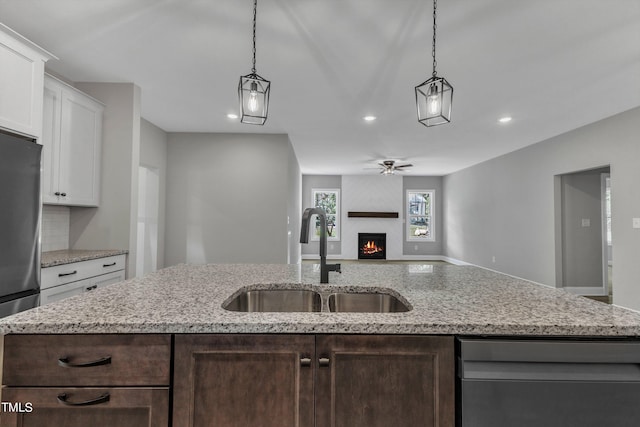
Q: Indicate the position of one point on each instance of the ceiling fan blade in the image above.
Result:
(408, 165)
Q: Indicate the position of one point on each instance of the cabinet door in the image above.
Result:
(61, 292)
(20, 84)
(51, 142)
(243, 380)
(107, 279)
(371, 381)
(82, 407)
(57, 293)
(80, 136)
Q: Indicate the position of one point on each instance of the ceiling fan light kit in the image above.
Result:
(253, 90)
(435, 95)
(389, 167)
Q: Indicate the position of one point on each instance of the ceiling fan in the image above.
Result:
(389, 167)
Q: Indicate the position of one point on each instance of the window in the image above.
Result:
(419, 219)
(329, 200)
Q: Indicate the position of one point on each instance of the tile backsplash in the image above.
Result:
(55, 227)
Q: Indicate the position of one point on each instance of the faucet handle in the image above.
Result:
(335, 267)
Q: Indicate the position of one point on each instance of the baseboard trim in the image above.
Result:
(585, 290)
(460, 262)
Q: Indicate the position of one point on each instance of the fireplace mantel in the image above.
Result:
(354, 214)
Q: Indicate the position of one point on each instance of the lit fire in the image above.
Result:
(371, 248)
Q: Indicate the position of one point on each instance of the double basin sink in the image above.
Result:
(305, 300)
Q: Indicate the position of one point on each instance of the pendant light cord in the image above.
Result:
(255, 9)
(433, 46)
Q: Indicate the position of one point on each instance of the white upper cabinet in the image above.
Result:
(72, 144)
(21, 79)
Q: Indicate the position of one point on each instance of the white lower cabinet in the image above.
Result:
(64, 281)
(81, 286)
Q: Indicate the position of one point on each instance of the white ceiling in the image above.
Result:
(553, 65)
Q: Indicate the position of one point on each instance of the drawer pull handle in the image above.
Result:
(64, 362)
(68, 274)
(305, 361)
(323, 361)
(63, 398)
(90, 288)
(109, 265)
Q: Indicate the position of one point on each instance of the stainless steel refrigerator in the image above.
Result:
(19, 224)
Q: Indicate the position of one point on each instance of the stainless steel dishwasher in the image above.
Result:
(548, 383)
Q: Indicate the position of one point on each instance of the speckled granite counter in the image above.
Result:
(446, 299)
(53, 258)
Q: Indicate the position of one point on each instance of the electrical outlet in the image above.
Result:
(493, 259)
(586, 222)
(415, 247)
(636, 222)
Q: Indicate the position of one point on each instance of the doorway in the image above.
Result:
(583, 237)
(148, 214)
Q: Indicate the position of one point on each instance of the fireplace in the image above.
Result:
(372, 246)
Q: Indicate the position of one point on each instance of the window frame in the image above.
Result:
(337, 227)
(410, 237)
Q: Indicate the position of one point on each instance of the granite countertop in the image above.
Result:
(67, 256)
(445, 299)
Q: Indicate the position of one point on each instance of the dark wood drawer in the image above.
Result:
(86, 360)
(82, 407)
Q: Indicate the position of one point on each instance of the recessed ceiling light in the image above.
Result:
(505, 119)
(232, 116)
(369, 118)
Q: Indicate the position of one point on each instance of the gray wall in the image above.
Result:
(310, 182)
(294, 206)
(424, 183)
(228, 198)
(582, 242)
(505, 207)
(114, 224)
(408, 182)
(153, 154)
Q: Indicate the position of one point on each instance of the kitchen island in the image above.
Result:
(444, 299)
(119, 355)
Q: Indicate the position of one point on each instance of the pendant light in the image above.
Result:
(434, 96)
(253, 90)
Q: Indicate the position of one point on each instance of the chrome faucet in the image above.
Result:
(304, 238)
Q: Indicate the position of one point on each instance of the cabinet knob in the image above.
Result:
(324, 361)
(63, 194)
(57, 193)
(305, 361)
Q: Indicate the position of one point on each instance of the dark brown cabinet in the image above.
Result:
(86, 380)
(385, 380)
(82, 407)
(243, 380)
(306, 380)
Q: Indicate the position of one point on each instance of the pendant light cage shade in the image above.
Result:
(433, 101)
(253, 93)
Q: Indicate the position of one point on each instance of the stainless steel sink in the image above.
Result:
(366, 303)
(276, 300)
